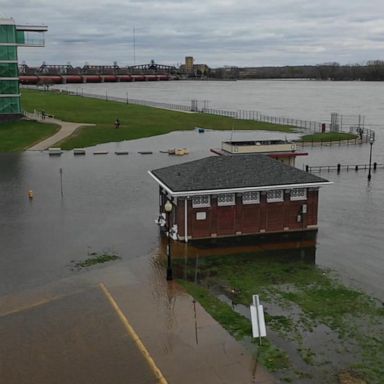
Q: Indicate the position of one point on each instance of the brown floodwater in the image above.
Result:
(108, 204)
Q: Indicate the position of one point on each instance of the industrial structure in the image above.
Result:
(63, 74)
(13, 36)
(190, 69)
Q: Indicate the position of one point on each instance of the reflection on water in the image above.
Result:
(296, 248)
(275, 244)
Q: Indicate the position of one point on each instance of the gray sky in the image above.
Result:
(214, 32)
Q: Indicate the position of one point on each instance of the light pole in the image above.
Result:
(168, 210)
(371, 141)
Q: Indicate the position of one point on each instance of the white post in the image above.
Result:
(257, 317)
(185, 220)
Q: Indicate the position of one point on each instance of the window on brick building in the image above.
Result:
(298, 194)
(275, 195)
(226, 199)
(251, 197)
(200, 201)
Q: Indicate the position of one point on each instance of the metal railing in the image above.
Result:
(312, 126)
(342, 167)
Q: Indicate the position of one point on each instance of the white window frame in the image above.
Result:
(252, 197)
(201, 201)
(298, 194)
(229, 199)
(274, 198)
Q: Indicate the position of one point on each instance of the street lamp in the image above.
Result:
(371, 141)
(168, 210)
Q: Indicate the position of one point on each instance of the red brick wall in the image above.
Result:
(247, 219)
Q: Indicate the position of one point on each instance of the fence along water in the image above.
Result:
(339, 123)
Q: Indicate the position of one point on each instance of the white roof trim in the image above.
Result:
(6, 21)
(32, 28)
(238, 190)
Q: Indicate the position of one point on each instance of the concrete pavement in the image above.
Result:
(66, 130)
(70, 332)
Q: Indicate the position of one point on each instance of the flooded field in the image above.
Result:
(109, 203)
(106, 204)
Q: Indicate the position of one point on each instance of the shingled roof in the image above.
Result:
(232, 172)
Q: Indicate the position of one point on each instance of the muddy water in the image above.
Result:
(109, 203)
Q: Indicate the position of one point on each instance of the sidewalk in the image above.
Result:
(66, 130)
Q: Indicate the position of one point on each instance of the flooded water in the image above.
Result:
(109, 203)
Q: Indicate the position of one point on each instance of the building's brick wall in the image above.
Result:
(241, 219)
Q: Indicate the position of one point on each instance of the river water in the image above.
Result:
(109, 201)
(306, 100)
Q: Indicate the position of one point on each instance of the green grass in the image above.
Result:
(328, 136)
(321, 299)
(21, 134)
(136, 121)
(95, 259)
(238, 326)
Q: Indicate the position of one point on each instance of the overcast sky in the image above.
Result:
(215, 32)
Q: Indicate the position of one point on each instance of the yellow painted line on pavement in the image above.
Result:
(28, 307)
(161, 379)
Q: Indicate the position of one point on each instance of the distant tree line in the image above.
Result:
(371, 71)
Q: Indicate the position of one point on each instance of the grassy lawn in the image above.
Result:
(136, 121)
(318, 330)
(328, 136)
(19, 135)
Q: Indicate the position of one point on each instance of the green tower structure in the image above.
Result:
(13, 36)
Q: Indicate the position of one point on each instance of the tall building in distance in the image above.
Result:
(189, 64)
(194, 70)
(13, 36)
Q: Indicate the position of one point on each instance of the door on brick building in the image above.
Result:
(275, 217)
(250, 219)
(225, 221)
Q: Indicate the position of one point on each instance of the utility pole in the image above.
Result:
(134, 47)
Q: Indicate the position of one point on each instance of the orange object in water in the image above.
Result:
(30, 194)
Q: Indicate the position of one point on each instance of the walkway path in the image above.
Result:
(66, 130)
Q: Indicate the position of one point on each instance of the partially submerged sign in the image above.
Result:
(257, 317)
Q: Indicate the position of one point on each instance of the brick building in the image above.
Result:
(227, 196)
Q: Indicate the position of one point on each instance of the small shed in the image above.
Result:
(227, 196)
(282, 150)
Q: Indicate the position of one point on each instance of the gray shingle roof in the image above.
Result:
(227, 172)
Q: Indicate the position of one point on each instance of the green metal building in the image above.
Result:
(13, 36)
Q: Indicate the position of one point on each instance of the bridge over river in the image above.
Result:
(63, 74)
